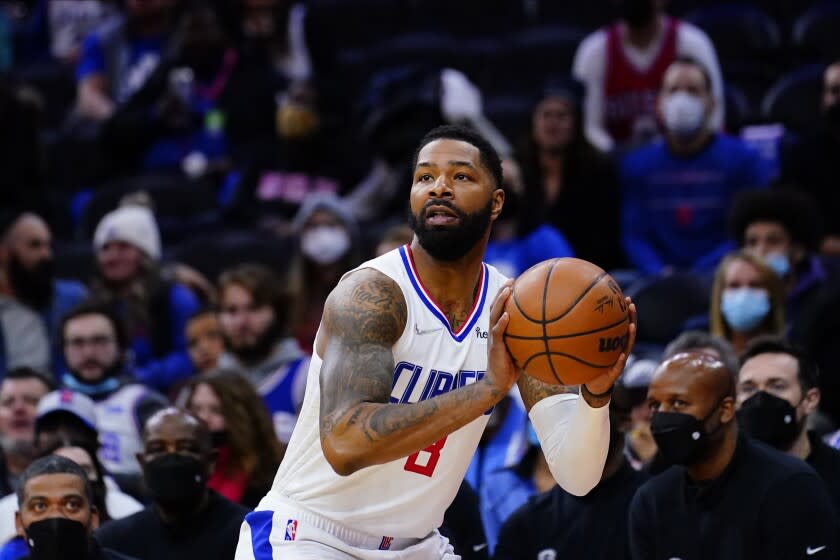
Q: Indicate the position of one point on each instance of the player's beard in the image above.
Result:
(451, 243)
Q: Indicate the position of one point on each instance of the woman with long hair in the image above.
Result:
(748, 300)
(569, 183)
(249, 451)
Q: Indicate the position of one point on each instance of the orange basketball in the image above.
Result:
(569, 322)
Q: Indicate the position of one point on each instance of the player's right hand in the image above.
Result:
(501, 371)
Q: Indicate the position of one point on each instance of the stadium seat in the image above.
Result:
(666, 303)
(524, 61)
(74, 260)
(815, 31)
(739, 111)
(212, 254)
(182, 207)
(794, 99)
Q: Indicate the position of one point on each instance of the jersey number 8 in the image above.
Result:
(428, 469)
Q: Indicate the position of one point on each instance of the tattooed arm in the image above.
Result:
(363, 318)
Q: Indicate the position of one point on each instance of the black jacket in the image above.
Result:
(765, 505)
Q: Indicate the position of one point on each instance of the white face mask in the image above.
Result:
(684, 114)
(325, 244)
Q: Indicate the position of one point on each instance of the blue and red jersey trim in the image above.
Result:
(431, 305)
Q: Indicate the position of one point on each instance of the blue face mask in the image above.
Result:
(744, 308)
(779, 262)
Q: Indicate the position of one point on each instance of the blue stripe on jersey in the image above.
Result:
(466, 329)
(260, 523)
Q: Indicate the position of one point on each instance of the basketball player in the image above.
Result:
(407, 366)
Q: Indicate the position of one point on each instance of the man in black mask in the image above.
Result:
(56, 514)
(96, 352)
(186, 519)
(27, 275)
(726, 496)
(777, 394)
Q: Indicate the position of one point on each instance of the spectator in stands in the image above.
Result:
(243, 435)
(155, 307)
(462, 525)
(810, 163)
(560, 523)
(26, 275)
(777, 395)
(568, 182)
(513, 250)
(700, 341)
(255, 311)
(96, 353)
(782, 227)
(57, 516)
(23, 338)
(275, 29)
(639, 445)
(677, 191)
(725, 496)
(205, 340)
(747, 301)
(204, 107)
(20, 392)
(109, 501)
(186, 519)
(393, 238)
(120, 55)
(623, 67)
(329, 240)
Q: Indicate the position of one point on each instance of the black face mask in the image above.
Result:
(450, 244)
(176, 482)
(637, 13)
(769, 419)
(681, 438)
(57, 538)
(33, 287)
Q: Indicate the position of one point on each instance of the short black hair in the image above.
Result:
(695, 340)
(102, 308)
(489, 157)
(806, 368)
(783, 205)
(25, 372)
(691, 61)
(53, 464)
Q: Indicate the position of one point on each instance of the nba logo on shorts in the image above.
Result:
(291, 529)
(386, 543)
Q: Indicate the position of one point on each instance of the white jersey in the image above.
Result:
(405, 498)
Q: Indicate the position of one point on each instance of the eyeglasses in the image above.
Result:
(98, 341)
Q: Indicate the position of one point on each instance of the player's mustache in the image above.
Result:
(440, 202)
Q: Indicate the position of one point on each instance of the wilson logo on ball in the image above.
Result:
(612, 344)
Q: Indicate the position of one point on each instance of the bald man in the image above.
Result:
(186, 519)
(725, 496)
(26, 277)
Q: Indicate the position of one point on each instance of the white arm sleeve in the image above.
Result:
(575, 439)
(694, 43)
(589, 67)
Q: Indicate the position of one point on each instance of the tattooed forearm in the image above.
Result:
(534, 390)
(363, 318)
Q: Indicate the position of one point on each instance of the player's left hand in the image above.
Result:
(602, 384)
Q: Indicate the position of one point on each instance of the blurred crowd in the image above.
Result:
(184, 182)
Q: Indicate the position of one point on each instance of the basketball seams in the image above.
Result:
(563, 354)
(574, 304)
(543, 321)
(571, 335)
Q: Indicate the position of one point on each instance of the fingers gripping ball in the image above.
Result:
(569, 321)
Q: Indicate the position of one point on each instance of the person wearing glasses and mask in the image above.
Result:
(725, 495)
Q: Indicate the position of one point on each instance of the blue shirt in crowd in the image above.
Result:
(675, 209)
(515, 256)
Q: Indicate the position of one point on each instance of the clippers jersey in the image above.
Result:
(405, 498)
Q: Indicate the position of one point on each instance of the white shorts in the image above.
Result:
(290, 533)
